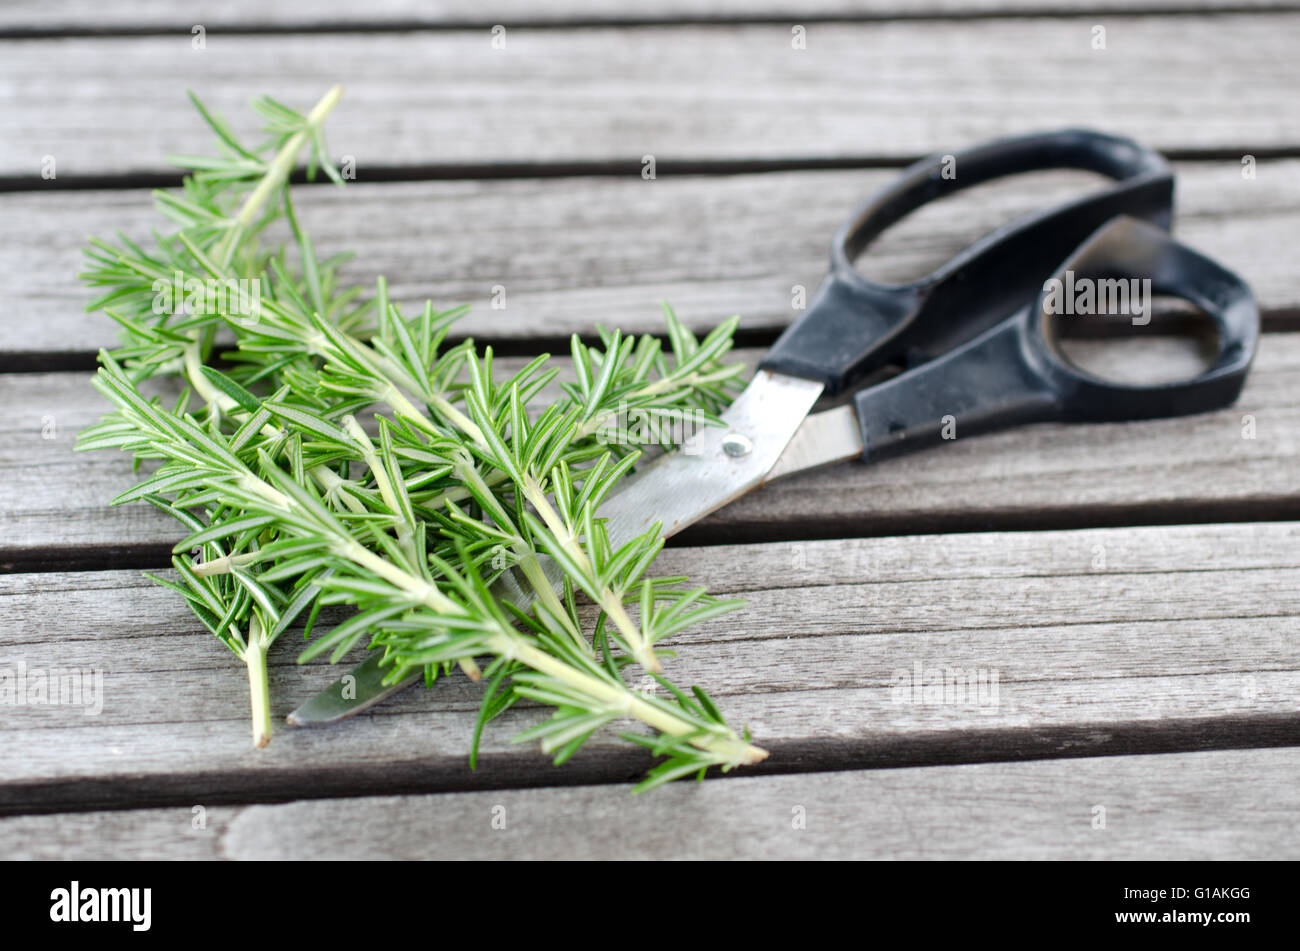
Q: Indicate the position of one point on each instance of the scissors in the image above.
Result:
(979, 337)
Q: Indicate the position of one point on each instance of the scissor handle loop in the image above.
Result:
(1015, 372)
(855, 325)
(1150, 263)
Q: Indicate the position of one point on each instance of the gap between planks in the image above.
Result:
(22, 18)
(1211, 805)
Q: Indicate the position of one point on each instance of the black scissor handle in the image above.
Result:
(1015, 372)
(854, 325)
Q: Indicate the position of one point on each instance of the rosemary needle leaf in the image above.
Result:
(243, 399)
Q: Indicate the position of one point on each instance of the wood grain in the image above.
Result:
(1183, 638)
(574, 253)
(55, 512)
(1237, 804)
(608, 97)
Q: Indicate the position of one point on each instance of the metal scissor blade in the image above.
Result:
(822, 439)
(361, 687)
(716, 466)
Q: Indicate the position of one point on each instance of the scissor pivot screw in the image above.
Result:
(736, 445)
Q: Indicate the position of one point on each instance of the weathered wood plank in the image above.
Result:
(1236, 804)
(85, 16)
(1184, 638)
(574, 253)
(55, 511)
(884, 90)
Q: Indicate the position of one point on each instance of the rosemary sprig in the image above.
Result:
(287, 532)
(291, 503)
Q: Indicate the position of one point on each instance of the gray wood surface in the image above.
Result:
(1237, 804)
(87, 16)
(574, 253)
(1151, 670)
(56, 511)
(447, 99)
(1184, 637)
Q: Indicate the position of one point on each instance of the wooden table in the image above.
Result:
(1135, 588)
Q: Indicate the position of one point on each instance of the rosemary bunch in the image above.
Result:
(291, 503)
